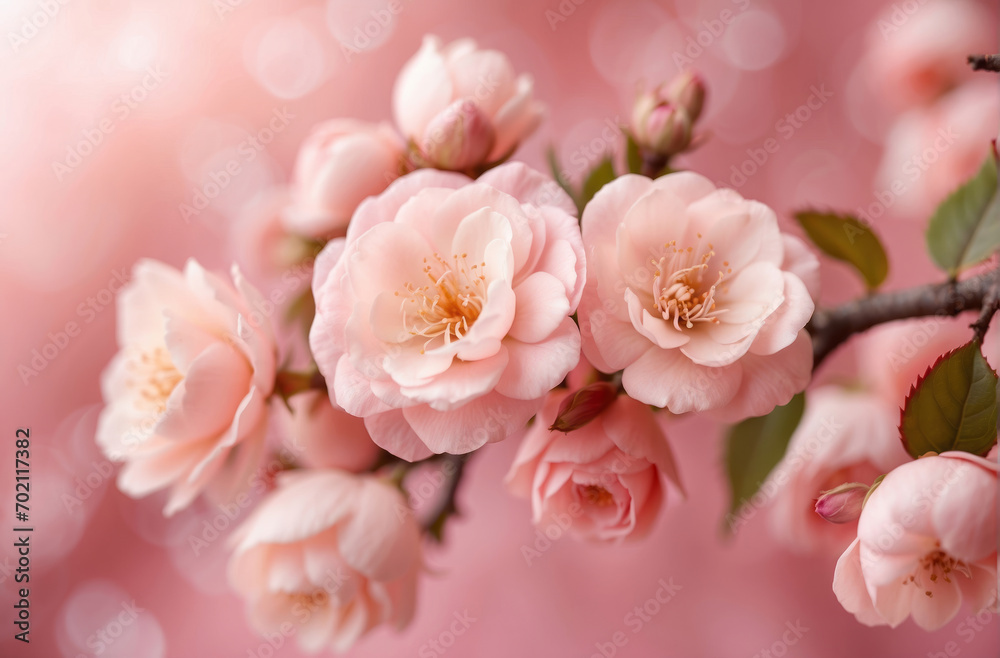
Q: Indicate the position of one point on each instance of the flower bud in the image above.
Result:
(458, 138)
(687, 90)
(667, 130)
(578, 409)
(842, 504)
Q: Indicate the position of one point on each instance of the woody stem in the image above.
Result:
(830, 328)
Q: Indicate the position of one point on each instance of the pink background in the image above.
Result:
(61, 242)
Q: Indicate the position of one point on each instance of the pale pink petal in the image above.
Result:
(535, 369)
(423, 88)
(391, 431)
(668, 379)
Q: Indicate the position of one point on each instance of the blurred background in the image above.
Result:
(115, 113)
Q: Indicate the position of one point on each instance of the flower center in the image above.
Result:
(598, 495)
(934, 566)
(679, 286)
(154, 378)
(448, 304)
(317, 598)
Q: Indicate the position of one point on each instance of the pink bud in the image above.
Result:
(687, 90)
(667, 130)
(842, 504)
(459, 138)
(578, 409)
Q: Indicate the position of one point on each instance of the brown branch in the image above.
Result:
(990, 305)
(453, 467)
(831, 327)
(653, 164)
(985, 63)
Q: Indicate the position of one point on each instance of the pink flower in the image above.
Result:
(443, 319)
(892, 356)
(932, 151)
(844, 436)
(926, 541)
(915, 57)
(330, 556)
(186, 394)
(440, 81)
(321, 435)
(341, 163)
(605, 480)
(695, 293)
(262, 244)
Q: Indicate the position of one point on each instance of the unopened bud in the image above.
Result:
(667, 130)
(459, 138)
(842, 504)
(687, 90)
(578, 409)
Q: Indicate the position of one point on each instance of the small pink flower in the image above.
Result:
(606, 478)
(695, 293)
(443, 318)
(341, 163)
(844, 436)
(915, 57)
(932, 151)
(319, 434)
(926, 541)
(329, 554)
(186, 394)
(439, 76)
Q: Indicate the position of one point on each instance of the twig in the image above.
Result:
(991, 304)
(653, 164)
(985, 63)
(453, 467)
(831, 327)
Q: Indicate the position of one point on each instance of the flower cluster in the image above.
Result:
(453, 298)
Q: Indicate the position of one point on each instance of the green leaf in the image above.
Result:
(965, 228)
(953, 406)
(632, 156)
(845, 238)
(557, 176)
(755, 446)
(599, 176)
